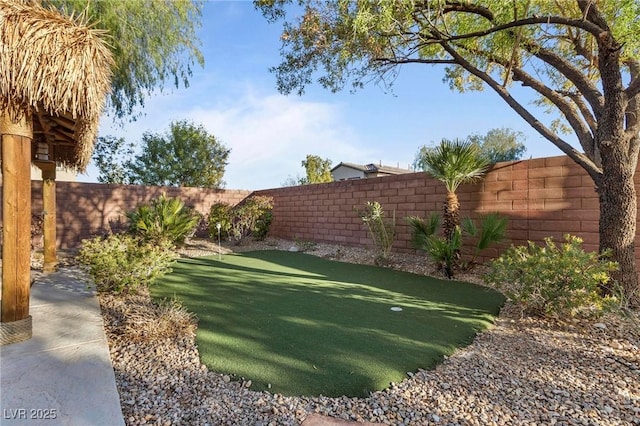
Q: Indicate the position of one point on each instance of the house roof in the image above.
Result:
(373, 168)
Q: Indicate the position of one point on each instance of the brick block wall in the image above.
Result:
(88, 209)
(540, 197)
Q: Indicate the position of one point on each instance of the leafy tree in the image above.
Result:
(186, 155)
(318, 170)
(112, 157)
(454, 163)
(153, 42)
(500, 145)
(497, 145)
(581, 58)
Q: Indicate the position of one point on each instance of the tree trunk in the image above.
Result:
(618, 212)
(450, 215)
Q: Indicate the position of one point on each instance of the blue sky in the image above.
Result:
(235, 97)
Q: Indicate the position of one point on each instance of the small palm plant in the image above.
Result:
(445, 252)
(163, 220)
(454, 163)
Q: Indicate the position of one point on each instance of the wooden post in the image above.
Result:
(49, 204)
(15, 320)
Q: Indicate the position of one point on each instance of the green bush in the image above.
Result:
(262, 226)
(252, 217)
(220, 213)
(164, 220)
(122, 263)
(446, 252)
(381, 228)
(553, 280)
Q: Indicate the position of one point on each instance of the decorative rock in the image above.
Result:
(522, 371)
(294, 249)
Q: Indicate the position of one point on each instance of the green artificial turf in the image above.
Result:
(309, 326)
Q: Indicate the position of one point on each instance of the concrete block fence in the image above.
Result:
(85, 210)
(540, 197)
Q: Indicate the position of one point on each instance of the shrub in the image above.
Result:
(163, 220)
(446, 252)
(220, 213)
(251, 217)
(122, 263)
(553, 280)
(261, 229)
(381, 228)
(145, 320)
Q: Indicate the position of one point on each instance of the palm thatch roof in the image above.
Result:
(59, 69)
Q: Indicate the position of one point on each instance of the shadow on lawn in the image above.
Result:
(309, 326)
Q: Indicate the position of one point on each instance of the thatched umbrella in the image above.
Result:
(54, 74)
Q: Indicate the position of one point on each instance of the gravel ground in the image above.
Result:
(524, 371)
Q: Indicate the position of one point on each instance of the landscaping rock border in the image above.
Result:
(523, 371)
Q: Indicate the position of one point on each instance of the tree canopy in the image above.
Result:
(318, 170)
(186, 155)
(112, 156)
(500, 144)
(551, 47)
(579, 58)
(154, 43)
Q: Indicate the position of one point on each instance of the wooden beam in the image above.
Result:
(49, 205)
(16, 217)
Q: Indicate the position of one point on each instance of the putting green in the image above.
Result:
(304, 325)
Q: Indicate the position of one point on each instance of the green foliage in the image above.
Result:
(500, 145)
(317, 170)
(112, 157)
(220, 213)
(454, 162)
(164, 220)
(123, 263)
(261, 228)
(252, 217)
(497, 145)
(492, 230)
(553, 280)
(381, 228)
(446, 251)
(153, 41)
(187, 155)
(423, 230)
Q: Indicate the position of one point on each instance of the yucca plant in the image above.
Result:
(382, 229)
(163, 220)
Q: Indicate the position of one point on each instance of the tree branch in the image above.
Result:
(584, 135)
(634, 86)
(573, 74)
(453, 6)
(581, 159)
(400, 61)
(584, 109)
(536, 20)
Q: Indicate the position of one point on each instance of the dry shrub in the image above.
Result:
(138, 318)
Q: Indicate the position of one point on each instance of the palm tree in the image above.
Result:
(454, 163)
